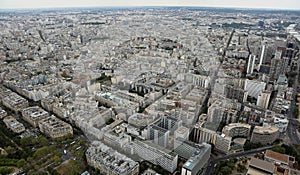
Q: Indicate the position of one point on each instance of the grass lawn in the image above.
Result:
(70, 167)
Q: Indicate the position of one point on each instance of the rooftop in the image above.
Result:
(265, 129)
(277, 156)
(182, 130)
(196, 157)
(261, 164)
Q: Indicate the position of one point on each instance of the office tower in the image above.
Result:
(182, 132)
(250, 66)
(263, 99)
(158, 135)
(279, 65)
(262, 55)
(169, 123)
(198, 80)
(233, 92)
(196, 163)
(223, 143)
(153, 154)
(185, 148)
(200, 134)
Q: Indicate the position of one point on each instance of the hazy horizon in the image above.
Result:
(265, 4)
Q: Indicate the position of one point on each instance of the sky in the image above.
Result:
(273, 4)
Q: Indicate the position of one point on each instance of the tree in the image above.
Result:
(75, 167)
(278, 149)
(52, 171)
(298, 158)
(225, 170)
(25, 141)
(29, 159)
(21, 163)
(289, 150)
(43, 141)
(5, 170)
(231, 165)
(250, 145)
(82, 141)
(64, 74)
(241, 168)
(57, 160)
(41, 152)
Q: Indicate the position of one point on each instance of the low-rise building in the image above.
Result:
(260, 167)
(13, 124)
(116, 137)
(34, 114)
(277, 120)
(273, 163)
(3, 113)
(279, 158)
(15, 102)
(4, 92)
(150, 172)
(140, 120)
(109, 161)
(54, 127)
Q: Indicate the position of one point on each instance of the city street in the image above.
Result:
(292, 129)
(213, 162)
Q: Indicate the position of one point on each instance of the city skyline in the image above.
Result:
(147, 87)
(266, 4)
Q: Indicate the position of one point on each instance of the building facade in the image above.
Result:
(195, 165)
(263, 99)
(223, 143)
(237, 130)
(200, 134)
(264, 134)
(13, 124)
(109, 161)
(54, 127)
(15, 102)
(155, 155)
(34, 114)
